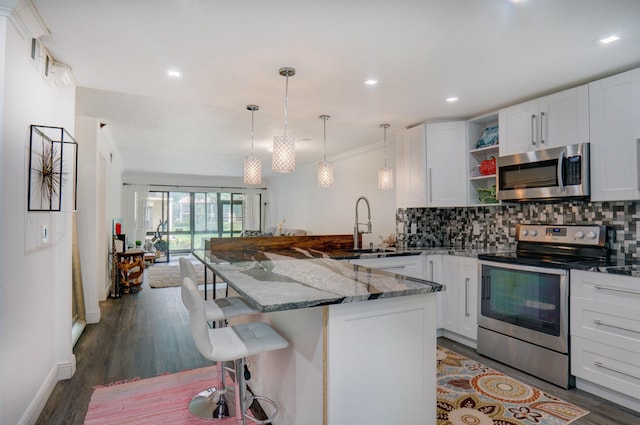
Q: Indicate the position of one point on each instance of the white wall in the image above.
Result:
(35, 279)
(99, 194)
(298, 200)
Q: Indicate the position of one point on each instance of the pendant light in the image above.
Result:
(284, 147)
(385, 174)
(252, 164)
(325, 169)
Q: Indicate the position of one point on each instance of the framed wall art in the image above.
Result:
(53, 170)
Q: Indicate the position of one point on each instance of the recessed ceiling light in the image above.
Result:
(451, 99)
(174, 73)
(371, 82)
(609, 39)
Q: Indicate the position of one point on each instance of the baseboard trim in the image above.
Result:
(66, 369)
(92, 316)
(459, 338)
(34, 409)
(611, 395)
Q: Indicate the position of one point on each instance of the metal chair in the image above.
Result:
(230, 343)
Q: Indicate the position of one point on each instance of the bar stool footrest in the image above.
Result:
(266, 400)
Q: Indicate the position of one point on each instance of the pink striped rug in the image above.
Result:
(154, 401)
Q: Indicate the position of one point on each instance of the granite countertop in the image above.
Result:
(277, 282)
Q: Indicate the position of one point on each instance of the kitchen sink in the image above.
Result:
(370, 250)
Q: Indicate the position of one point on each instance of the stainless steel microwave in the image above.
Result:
(545, 174)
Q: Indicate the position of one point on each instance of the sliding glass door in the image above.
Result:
(185, 220)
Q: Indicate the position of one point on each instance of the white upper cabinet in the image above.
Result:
(615, 137)
(411, 164)
(555, 120)
(446, 164)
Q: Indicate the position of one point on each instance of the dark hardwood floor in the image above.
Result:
(146, 334)
(602, 411)
(139, 335)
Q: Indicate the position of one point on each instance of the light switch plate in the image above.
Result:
(44, 234)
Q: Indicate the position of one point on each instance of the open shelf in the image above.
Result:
(475, 180)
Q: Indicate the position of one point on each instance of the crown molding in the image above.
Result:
(25, 17)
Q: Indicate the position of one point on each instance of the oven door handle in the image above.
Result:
(523, 267)
(561, 170)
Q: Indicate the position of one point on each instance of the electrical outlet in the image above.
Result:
(476, 229)
(44, 234)
(414, 228)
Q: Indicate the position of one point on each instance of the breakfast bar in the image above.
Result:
(362, 341)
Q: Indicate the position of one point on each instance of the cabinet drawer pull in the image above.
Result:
(609, 288)
(600, 322)
(630, 375)
(401, 266)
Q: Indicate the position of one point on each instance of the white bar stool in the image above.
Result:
(230, 343)
(212, 402)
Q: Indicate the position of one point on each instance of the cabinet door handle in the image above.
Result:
(630, 375)
(609, 288)
(541, 131)
(466, 297)
(533, 129)
(600, 322)
(638, 161)
(430, 186)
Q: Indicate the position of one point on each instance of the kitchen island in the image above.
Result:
(362, 341)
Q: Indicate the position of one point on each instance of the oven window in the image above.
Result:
(522, 298)
(529, 175)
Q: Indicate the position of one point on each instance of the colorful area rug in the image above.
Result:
(166, 276)
(471, 393)
(154, 401)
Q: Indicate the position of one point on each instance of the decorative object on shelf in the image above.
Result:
(488, 166)
(252, 164)
(284, 147)
(53, 170)
(487, 195)
(488, 138)
(385, 174)
(325, 169)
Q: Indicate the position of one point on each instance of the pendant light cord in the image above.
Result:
(252, 111)
(325, 138)
(385, 144)
(286, 103)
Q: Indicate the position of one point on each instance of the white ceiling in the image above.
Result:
(489, 53)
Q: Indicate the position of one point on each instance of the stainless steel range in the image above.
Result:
(523, 312)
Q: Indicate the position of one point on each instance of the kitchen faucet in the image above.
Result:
(356, 228)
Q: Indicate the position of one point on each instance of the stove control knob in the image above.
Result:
(525, 232)
(591, 235)
(534, 232)
(579, 234)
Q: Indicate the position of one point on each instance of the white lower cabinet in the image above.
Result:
(433, 272)
(459, 302)
(605, 335)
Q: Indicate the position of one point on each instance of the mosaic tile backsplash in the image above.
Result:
(495, 226)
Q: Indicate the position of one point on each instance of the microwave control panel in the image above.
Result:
(569, 234)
